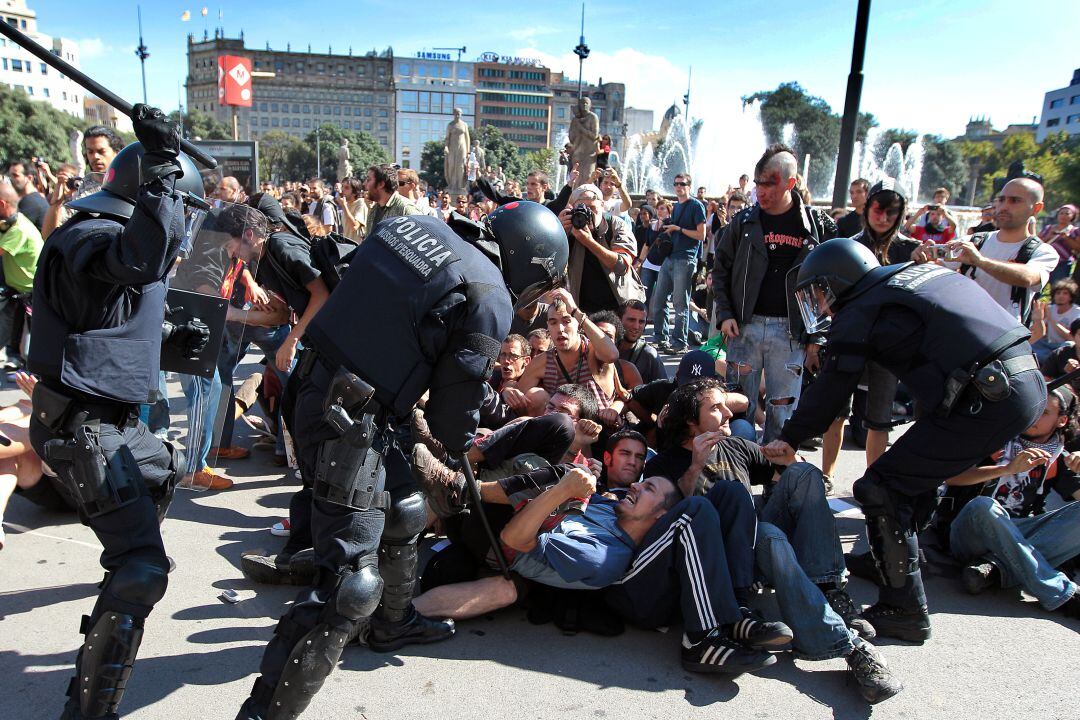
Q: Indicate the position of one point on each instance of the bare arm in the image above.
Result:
(1010, 273)
(520, 532)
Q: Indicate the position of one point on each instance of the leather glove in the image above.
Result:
(160, 138)
(190, 338)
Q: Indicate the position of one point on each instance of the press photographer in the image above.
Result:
(602, 250)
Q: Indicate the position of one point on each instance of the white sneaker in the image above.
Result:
(280, 529)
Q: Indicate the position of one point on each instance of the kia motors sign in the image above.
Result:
(234, 80)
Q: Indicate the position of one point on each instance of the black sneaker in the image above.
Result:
(417, 630)
(844, 606)
(298, 569)
(897, 622)
(876, 681)
(976, 578)
(754, 632)
(862, 565)
(718, 654)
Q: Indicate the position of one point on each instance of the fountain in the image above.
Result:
(703, 148)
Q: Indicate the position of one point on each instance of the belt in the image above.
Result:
(1019, 363)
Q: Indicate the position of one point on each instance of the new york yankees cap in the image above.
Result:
(695, 365)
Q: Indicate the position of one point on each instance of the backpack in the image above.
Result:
(320, 205)
(1019, 295)
(330, 255)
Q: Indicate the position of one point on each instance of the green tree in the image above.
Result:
(432, 164)
(275, 149)
(500, 152)
(542, 160)
(976, 156)
(32, 128)
(364, 150)
(943, 166)
(198, 125)
(888, 137)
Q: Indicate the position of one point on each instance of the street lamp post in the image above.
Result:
(582, 51)
(142, 53)
(851, 107)
(318, 155)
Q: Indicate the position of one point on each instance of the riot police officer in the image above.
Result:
(420, 309)
(966, 361)
(99, 302)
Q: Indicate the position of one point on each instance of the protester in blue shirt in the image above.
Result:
(686, 231)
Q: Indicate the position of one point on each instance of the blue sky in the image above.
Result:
(930, 64)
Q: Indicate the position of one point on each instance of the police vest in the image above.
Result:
(381, 320)
(118, 363)
(962, 322)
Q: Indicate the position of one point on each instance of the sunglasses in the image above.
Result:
(510, 357)
(681, 184)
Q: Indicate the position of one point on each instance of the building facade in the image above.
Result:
(1061, 110)
(639, 122)
(295, 92)
(980, 129)
(514, 95)
(428, 86)
(20, 70)
(608, 102)
(99, 112)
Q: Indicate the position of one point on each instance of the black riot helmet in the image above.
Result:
(827, 276)
(122, 180)
(533, 249)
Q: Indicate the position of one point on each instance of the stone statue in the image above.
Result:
(75, 145)
(344, 167)
(456, 154)
(480, 155)
(584, 139)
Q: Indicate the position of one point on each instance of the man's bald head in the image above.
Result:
(9, 195)
(1033, 189)
(784, 164)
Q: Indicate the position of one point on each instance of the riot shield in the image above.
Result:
(209, 302)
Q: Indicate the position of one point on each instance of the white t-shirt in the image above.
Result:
(1066, 318)
(1045, 259)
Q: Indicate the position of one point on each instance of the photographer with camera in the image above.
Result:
(933, 222)
(601, 249)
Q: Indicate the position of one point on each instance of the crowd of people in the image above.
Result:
(617, 493)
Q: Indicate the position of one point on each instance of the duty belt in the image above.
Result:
(63, 411)
(1019, 363)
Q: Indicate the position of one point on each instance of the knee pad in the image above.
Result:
(407, 519)
(358, 594)
(872, 495)
(136, 586)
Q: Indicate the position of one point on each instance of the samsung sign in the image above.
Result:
(490, 57)
(432, 56)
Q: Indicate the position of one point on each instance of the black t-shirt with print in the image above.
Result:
(785, 237)
(734, 459)
(1024, 494)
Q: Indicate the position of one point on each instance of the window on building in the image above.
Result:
(22, 24)
(273, 122)
(383, 112)
(296, 122)
(273, 107)
(367, 112)
(29, 90)
(560, 112)
(1074, 100)
(16, 65)
(421, 70)
(1053, 122)
(307, 109)
(320, 68)
(404, 68)
(337, 109)
(326, 110)
(307, 123)
(254, 121)
(44, 69)
(408, 100)
(45, 92)
(367, 126)
(1056, 103)
(1072, 118)
(356, 124)
(5, 63)
(383, 140)
(384, 126)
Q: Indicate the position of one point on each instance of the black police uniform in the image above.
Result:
(99, 302)
(419, 310)
(925, 324)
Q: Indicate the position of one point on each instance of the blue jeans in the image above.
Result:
(1043, 347)
(764, 345)
(1026, 549)
(237, 339)
(743, 429)
(648, 279)
(203, 392)
(156, 415)
(797, 550)
(675, 280)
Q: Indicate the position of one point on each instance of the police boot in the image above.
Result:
(421, 435)
(282, 569)
(415, 629)
(910, 624)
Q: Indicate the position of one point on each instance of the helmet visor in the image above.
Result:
(537, 290)
(815, 300)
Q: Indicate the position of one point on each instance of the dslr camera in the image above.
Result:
(581, 216)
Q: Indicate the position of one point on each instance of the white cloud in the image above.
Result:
(92, 48)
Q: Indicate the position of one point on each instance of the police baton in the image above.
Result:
(1066, 378)
(474, 491)
(91, 85)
